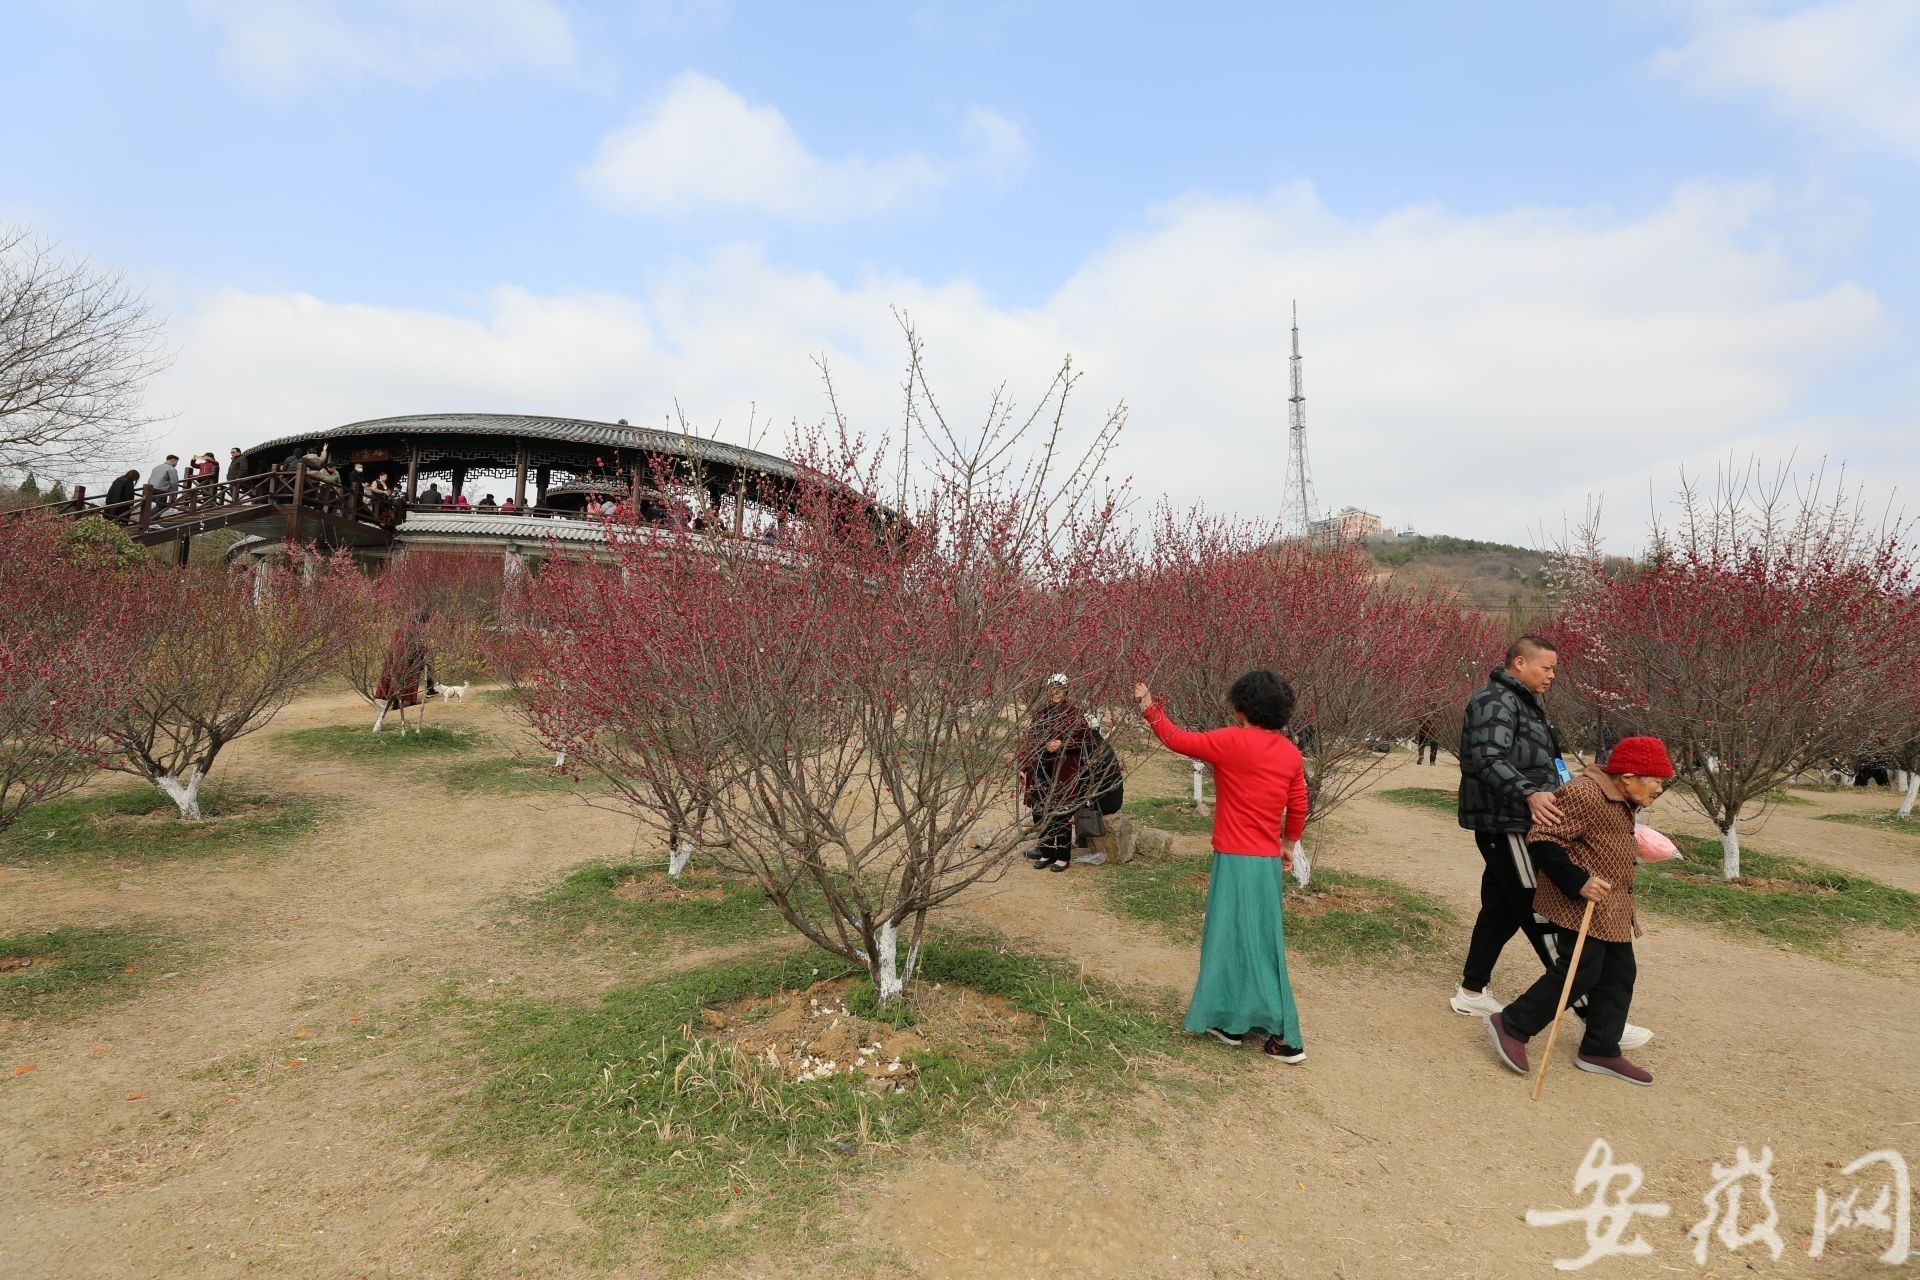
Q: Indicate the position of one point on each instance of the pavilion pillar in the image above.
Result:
(542, 478)
(739, 509)
(299, 496)
(413, 473)
(459, 480)
(520, 476)
(633, 495)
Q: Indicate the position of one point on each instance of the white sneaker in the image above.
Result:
(1633, 1037)
(1480, 1006)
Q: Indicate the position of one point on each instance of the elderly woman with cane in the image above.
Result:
(1586, 856)
(1261, 810)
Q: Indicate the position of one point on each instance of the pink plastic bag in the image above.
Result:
(1654, 847)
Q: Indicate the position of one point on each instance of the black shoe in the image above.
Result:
(1043, 863)
(1278, 1048)
(1225, 1038)
(1060, 865)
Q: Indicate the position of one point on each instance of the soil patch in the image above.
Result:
(1760, 884)
(19, 964)
(1339, 897)
(653, 887)
(813, 1034)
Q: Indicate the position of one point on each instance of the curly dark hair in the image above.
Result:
(1263, 698)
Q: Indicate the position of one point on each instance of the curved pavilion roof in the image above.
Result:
(580, 431)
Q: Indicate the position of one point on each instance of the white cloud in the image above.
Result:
(1473, 375)
(703, 148)
(283, 46)
(1848, 67)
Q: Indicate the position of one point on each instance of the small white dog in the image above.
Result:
(455, 692)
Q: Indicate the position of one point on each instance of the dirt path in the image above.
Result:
(1398, 1149)
(273, 1133)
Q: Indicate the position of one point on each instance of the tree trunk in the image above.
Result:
(382, 717)
(560, 758)
(1730, 852)
(1199, 787)
(890, 978)
(184, 795)
(1913, 790)
(678, 859)
(1302, 865)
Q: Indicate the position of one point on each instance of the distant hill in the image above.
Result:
(1493, 576)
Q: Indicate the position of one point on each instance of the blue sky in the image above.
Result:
(1597, 241)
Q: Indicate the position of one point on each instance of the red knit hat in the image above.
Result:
(1642, 757)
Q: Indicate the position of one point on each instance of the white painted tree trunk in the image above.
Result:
(560, 759)
(1302, 865)
(1913, 790)
(381, 718)
(184, 795)
(893, 977)
(1199, 785)
(678, 859)
(1730, 854)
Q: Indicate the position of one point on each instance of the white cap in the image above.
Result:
(1058, 677)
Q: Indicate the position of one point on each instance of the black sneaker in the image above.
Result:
(1224, 1038)
(1278, 1048)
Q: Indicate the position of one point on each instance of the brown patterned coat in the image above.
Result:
(1593, 837)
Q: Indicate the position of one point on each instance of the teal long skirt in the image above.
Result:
(1243, 983)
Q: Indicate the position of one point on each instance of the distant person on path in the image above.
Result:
(1510, 767)
(164, 480)
(1425, 744)
(1050, 760)
(1588, 854)
(1259, 814)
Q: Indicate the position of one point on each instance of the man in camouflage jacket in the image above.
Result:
(1509, 770)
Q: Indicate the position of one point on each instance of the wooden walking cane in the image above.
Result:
(1566, 989)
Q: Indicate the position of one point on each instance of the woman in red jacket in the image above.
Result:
(1260, 810)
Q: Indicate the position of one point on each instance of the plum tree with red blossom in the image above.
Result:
(1898, 739)
(1756, 636)
(838, 715)
(68, 632)
(1368, 659)
(448, 604)
(223, 650)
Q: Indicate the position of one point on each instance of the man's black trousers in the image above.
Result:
(1506, 907)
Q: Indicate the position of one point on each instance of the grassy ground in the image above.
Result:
(507, 776)
(1339, 917)
(1781, 900)
(1888, 821)
(1170, 813)
(139, 824)
(359, 742)
(707, 1152)
(75, 968)
(1433, 798)
(713, 911)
